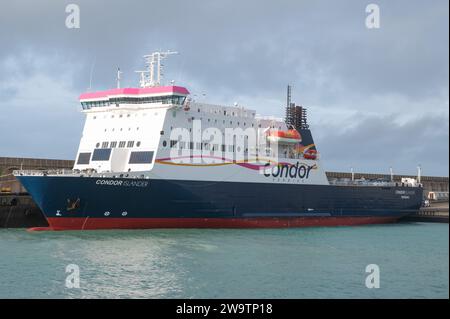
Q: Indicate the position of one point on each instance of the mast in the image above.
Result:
(296, 116)
(118, 77)
(154, 73)
(288, 119)
(419, 173)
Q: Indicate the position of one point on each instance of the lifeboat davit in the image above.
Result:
(288, 136)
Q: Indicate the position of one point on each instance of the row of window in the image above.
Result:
(203, 146)
(121, 115)
(223, 121)
(104, 154)
(121, 129)
(231, 122)
(120, 144)
(171, 99)
(226, 112)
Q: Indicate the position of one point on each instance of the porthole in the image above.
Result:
(107, 213)
(124, 213)
(97, 145)
(138, 144)
(164, 143)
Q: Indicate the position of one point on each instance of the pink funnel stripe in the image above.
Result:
(134, 91)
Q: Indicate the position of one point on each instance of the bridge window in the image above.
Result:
(105, 144)
(113, 144)
(122, 144)
(130, 144)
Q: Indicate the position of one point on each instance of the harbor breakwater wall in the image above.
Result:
(20, 211)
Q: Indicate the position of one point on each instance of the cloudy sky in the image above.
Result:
(376, 97)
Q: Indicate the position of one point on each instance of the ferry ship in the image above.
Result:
(154, 157)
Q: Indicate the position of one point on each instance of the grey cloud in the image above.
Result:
(378, 142)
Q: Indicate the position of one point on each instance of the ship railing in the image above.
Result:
(52, 172)
(290, 155)
(358, 182)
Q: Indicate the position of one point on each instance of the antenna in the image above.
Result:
(118, 77)
(288, 107)
(154, 67)
(419, 173)
(90, 75)
(289, 89)
(142, 78)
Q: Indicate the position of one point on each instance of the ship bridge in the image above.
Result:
(133, 96)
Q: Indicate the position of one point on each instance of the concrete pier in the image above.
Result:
(436, 213)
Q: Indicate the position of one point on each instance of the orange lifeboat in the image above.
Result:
(310, 154)
(288, 136)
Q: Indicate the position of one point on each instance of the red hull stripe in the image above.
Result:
(64, 223)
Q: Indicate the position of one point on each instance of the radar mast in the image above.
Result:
(153, 75)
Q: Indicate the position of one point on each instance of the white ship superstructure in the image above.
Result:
(130, 132)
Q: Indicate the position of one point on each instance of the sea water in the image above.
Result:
(411, 261)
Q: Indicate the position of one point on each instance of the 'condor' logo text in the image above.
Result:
(288, 171)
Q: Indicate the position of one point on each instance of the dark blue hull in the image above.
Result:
(87, 199)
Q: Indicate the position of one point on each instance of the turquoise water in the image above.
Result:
(413, 260)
